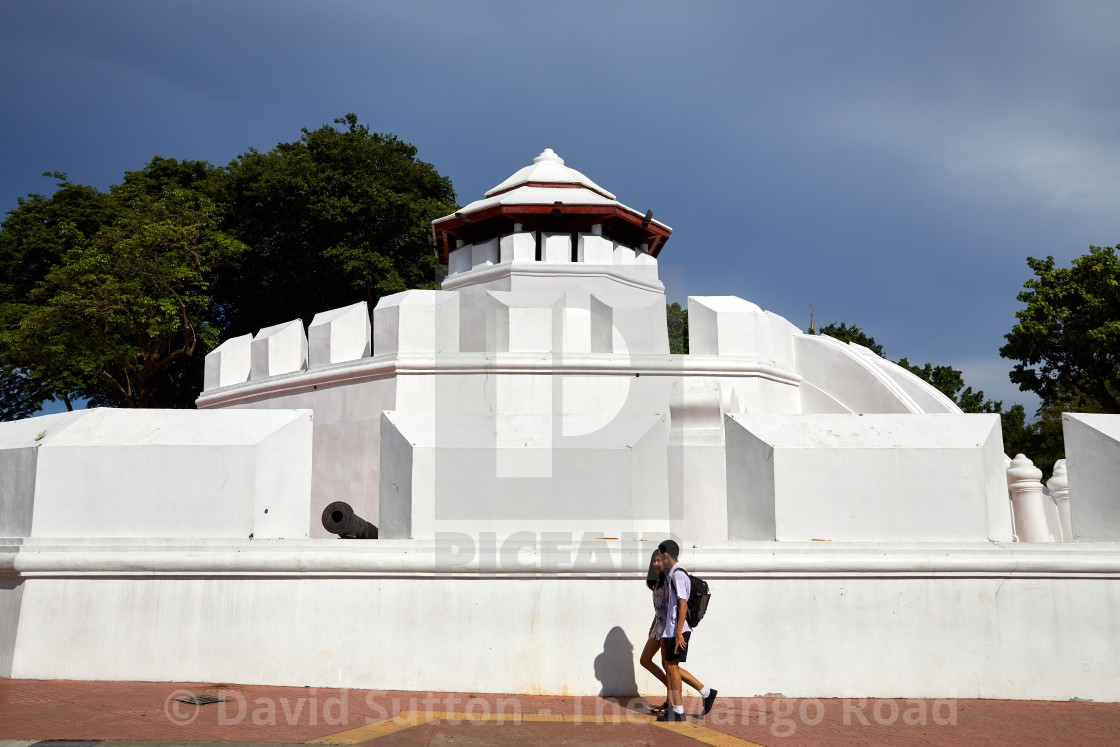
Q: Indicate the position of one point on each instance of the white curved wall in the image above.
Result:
(857, 384)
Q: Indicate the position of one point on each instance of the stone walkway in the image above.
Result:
(76, 714)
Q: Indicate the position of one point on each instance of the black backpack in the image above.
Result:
(697, 600)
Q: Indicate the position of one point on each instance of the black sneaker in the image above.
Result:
(670, 715)
(709, 701)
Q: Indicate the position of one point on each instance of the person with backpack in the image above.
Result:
(677, 632)
(658, 583)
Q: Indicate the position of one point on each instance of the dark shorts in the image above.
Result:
(669, 644)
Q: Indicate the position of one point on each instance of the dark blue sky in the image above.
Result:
(891, 164)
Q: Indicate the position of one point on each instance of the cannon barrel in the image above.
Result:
(340, 519)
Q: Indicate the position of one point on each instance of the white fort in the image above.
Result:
(522, 438)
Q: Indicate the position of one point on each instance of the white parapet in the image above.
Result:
(866, 478)
(728, 325)
(718, 325)
(628, 324)
(1092, 444)
(518, 322)
(157, 473)
(622, 254)
(459, 472)
(417, 321)
(595, 249)
(339, 335)
(518, 247)
(556, 247)
(485, 253)
(229, 363)
(460, 259)
(645, 264)
(279, 349)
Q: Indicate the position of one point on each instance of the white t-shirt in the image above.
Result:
(680, 586)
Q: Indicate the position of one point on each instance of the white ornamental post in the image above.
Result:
(1024, 481)
(1059, 491)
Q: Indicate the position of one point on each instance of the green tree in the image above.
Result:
(1067, 341)
(34, 237)
(121, 311)
(950, 382)
(20, 395)
(841, 331)
(339, 216)
(677, 319)
(1021, 437)
(41, 229)
(117, 296)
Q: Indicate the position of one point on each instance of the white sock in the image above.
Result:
(678, 709)
(705, 692)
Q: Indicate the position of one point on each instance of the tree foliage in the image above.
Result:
(1067, 341)
(841, 331)
(950, 382)
(336, 217)
(117, 296)
(677, 319)
(20, 395)
(111, 318)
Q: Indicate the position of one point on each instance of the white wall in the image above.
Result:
(866, 478)
(511, 472)
(696, 461)
(977, 620)
(1093, 462)
(158, 473)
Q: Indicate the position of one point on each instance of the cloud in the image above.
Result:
(989, 374)
(1021, 155)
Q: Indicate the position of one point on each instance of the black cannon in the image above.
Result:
(340, 519)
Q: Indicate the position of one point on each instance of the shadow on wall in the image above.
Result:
(614, 668)
(11, 598)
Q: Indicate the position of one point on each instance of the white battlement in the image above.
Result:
(444, 322)
(339, 335)
(230, 363)
(277, 350)
(555, 248)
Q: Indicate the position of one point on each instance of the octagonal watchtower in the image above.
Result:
(549, 221)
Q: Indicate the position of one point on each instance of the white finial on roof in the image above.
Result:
(548, 170)
(548, 154)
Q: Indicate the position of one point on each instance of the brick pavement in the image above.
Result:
(115, 712)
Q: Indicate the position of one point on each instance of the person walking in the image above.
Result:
(676, 634)
(659, 585)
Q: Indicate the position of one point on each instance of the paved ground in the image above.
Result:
(35, 712)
